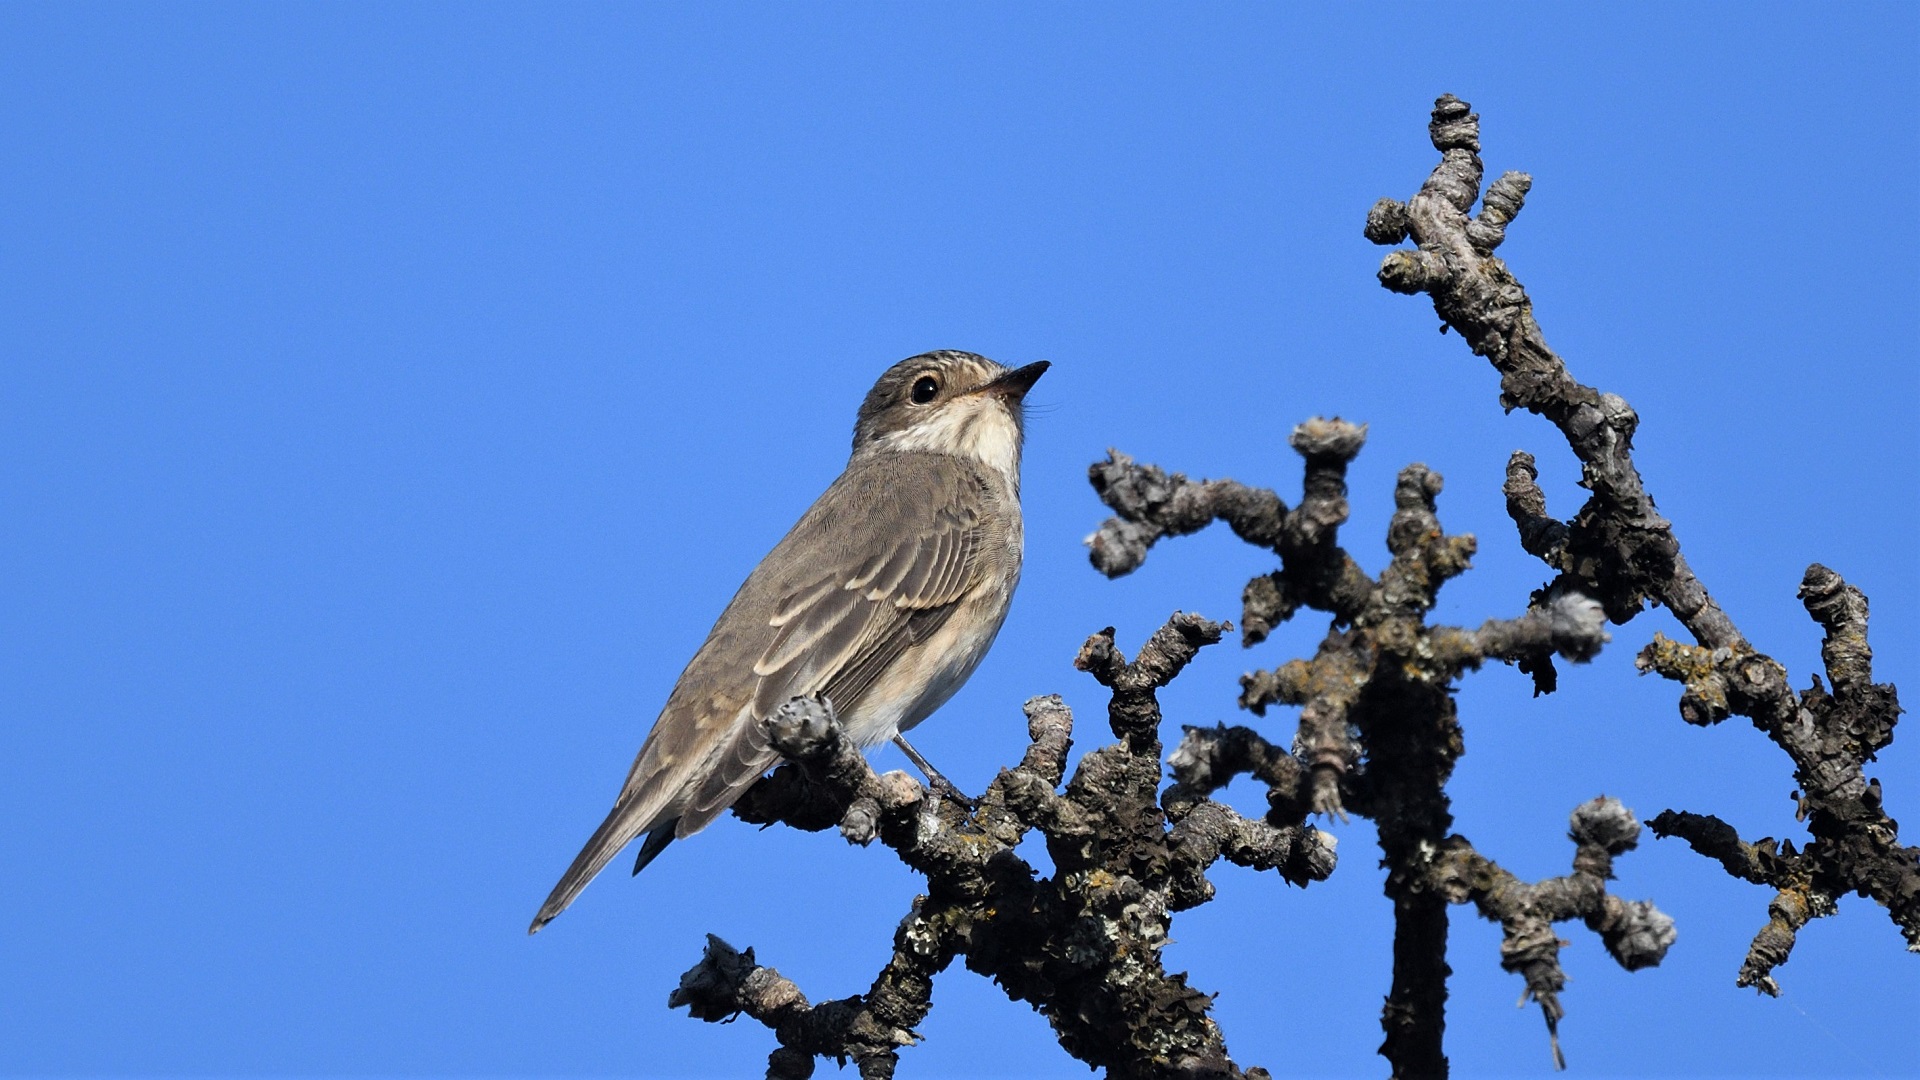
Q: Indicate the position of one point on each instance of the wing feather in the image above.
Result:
(929, 561)
(798, 602)
(735, 768)
(956, 571)
(851, 683)
(842, 638)
(890, 566)
(822, 627)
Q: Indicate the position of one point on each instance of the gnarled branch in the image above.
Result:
(1618, 549)
(1082, 946)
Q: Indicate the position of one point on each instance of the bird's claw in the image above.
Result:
(943, 787)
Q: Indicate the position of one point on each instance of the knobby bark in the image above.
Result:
(1618, 549)
(1378, 732)
(1377, 735)
(1081, 945)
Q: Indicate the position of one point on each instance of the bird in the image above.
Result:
(881, 601)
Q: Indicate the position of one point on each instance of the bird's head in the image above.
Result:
(949, 402)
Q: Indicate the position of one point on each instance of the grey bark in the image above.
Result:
(1378, 735)
(1619, 549)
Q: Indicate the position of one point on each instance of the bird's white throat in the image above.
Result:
(976, 426)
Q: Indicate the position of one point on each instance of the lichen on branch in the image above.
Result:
(1081, 945)
(1377, 734)
(1618, 549)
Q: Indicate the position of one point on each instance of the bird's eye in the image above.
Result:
(924, 389)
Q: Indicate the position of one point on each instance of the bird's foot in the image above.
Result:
(942, 786)
(936, 783)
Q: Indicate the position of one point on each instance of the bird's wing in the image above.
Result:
(839, 631)
(812, 619)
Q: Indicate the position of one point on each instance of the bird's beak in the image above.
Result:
(1014, 384)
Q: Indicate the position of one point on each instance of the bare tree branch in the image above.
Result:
(1378, 735)
(1635, 933)
(1619, 549)
(1082, 946)
(1377, 732)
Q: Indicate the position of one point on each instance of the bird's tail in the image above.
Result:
(627, 821)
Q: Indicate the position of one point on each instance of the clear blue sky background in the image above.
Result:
(393, 395)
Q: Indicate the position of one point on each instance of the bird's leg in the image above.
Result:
(935, 781)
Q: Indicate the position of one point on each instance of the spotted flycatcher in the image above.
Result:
(881, 601)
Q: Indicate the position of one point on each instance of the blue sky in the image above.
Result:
(393, 395)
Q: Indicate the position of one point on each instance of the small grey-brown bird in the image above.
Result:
(881, 601)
